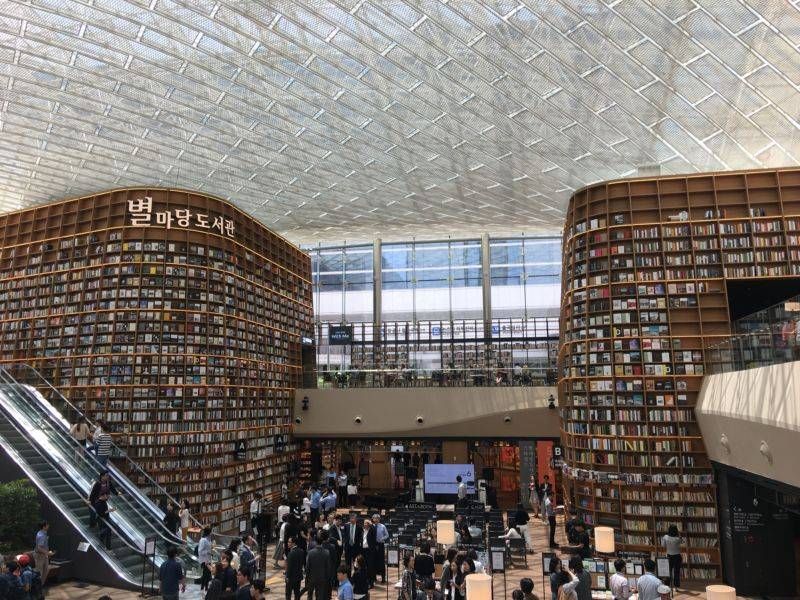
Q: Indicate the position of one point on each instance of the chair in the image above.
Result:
(516, 548)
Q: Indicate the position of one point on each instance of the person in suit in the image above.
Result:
(318, 573)
(335, 536)
(243, 583)
(330, 546)
(353, 540)
(370, 548)
(295, 561)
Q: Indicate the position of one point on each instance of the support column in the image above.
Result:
(377, 305)
(486, 284)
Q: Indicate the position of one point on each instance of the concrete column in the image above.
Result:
(486, 283)
(377, 305)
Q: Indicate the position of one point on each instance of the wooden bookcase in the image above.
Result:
(645, 271)
(186, 339)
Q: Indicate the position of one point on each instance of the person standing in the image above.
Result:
(368, 545)
(462, 490)
(424, 566)
(381, 536)
(345, 587)
(255, 513)
(550, 514)
(214, 591)
(171, 576)
(672, 544)
(103, 511)
(533, 498)
(248, 558)
(546, 487)
(647, 585)
(620, 588)
(408, 585)
(584, 588)
(103, 485)
(171, 519)
(314, 503)
(42, 552)
(360, 579)
(280, 545)
(80, 431)
(521, 520)
(295, 561)
(353, 540)
(318, 576)
(328, 502)
(204, 557)
(555, 576)
(335, 536)
(184, 515)
(102, 443)
(330, 547)
(341, 482)
(242, 584)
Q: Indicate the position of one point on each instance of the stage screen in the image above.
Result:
(441, 479)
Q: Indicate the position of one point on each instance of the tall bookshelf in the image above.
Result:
(179, 325)
(645, 271)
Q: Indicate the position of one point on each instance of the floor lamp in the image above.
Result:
(479, 586)
(604, 544)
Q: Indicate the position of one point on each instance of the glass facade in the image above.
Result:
(343, 286)
(432, 313)
(525, 276)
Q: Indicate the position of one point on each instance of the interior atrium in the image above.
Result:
(415, 298)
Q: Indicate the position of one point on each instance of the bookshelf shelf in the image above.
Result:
(186, 338)
(645, 291)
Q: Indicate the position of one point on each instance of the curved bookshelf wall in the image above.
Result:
(175, 317)
(645, 272)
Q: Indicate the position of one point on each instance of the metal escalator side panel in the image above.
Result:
(150, 506)
(132, 498)
(63, 466)
(76, 524)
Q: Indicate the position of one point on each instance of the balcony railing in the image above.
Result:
(753, 349)
(414, 377)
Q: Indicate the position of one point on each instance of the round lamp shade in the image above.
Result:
(720, 592)
(479, 586)
(445, 532)
(604, 540)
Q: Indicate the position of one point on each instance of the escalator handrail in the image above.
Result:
(65, 510)
(94, 464)
(119, 450)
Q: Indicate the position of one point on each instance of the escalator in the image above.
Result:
(36, 437)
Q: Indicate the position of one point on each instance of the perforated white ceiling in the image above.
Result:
(349, 119)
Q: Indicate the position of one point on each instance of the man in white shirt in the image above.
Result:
(647, 585)
(550, 513)
(620, 589)
(341, 482)
(462, 489)
(255, 512)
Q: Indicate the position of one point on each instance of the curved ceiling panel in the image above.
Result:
(349, 119)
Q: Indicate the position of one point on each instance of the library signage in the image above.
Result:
(340, 335)
(141, 214)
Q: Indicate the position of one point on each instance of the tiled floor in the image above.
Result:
(502, 587)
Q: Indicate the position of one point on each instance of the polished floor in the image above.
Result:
(502, 586)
